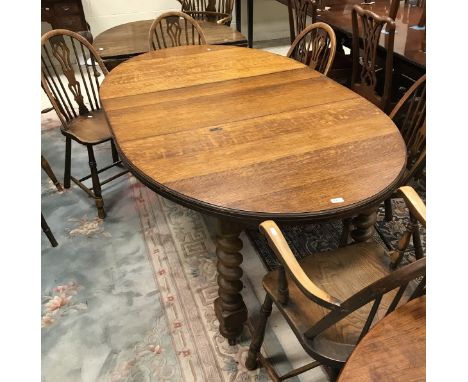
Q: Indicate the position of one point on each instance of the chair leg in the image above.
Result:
(388, 210)
(67, 174)
(259, 334)
(332, 372)
(345, 233)
(418, 249)
(48, 170)
(96, 183)
(115, 154)
(48, 232)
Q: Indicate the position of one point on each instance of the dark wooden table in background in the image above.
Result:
(393, 350)
(410, 57)
(246, 135)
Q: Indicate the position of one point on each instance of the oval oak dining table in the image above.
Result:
(121, 42)
(247, 135)
(393, 350)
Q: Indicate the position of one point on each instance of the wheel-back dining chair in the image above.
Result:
(315, 46)
(331, 299)
(368, 73)
(74, 94)
(173, 29)
(299, 11)
(409, 115)
(217, 11)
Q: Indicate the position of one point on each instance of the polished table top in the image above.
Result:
(393, 350)
(132, 38)
(245, 133)
(409, 43)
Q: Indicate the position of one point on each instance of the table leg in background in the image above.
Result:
(238, 15)
(364, 225)
(229, 306)
(250, 22)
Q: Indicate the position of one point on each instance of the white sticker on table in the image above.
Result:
(337, 200)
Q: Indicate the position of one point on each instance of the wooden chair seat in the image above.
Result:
(341, 273)
(89, 129)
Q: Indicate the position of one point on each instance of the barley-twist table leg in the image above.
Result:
(364, 225)
(229, 306)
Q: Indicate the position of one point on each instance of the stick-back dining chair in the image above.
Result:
(367, 31)
(173, 29)
(331, 299)
(74, 94)
(218, 11)
(299, 11)
(315, 46)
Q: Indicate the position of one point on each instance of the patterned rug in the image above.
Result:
(130, 298)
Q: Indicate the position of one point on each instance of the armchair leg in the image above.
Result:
(418, 249)
(388, 210)
(96, 183)
(259, 334)
(67, 174)
(345, 233)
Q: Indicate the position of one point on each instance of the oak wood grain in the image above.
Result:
(393, 350)
(130, 39)
(250, 134)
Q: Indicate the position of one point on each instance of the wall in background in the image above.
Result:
(270, 17)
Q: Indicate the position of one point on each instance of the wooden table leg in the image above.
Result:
(238, 15)
(250, 22)
(229, 306)
(364, 225)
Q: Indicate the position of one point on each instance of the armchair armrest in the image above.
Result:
(414, 203)
(281, 248)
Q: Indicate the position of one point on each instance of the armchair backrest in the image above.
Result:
(414, 273)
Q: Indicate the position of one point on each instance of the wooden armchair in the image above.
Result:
(74, 94)
(332, 299)
(367, 29)
(315, 46)
(173, 29)
(298, 12)
(217, 11)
